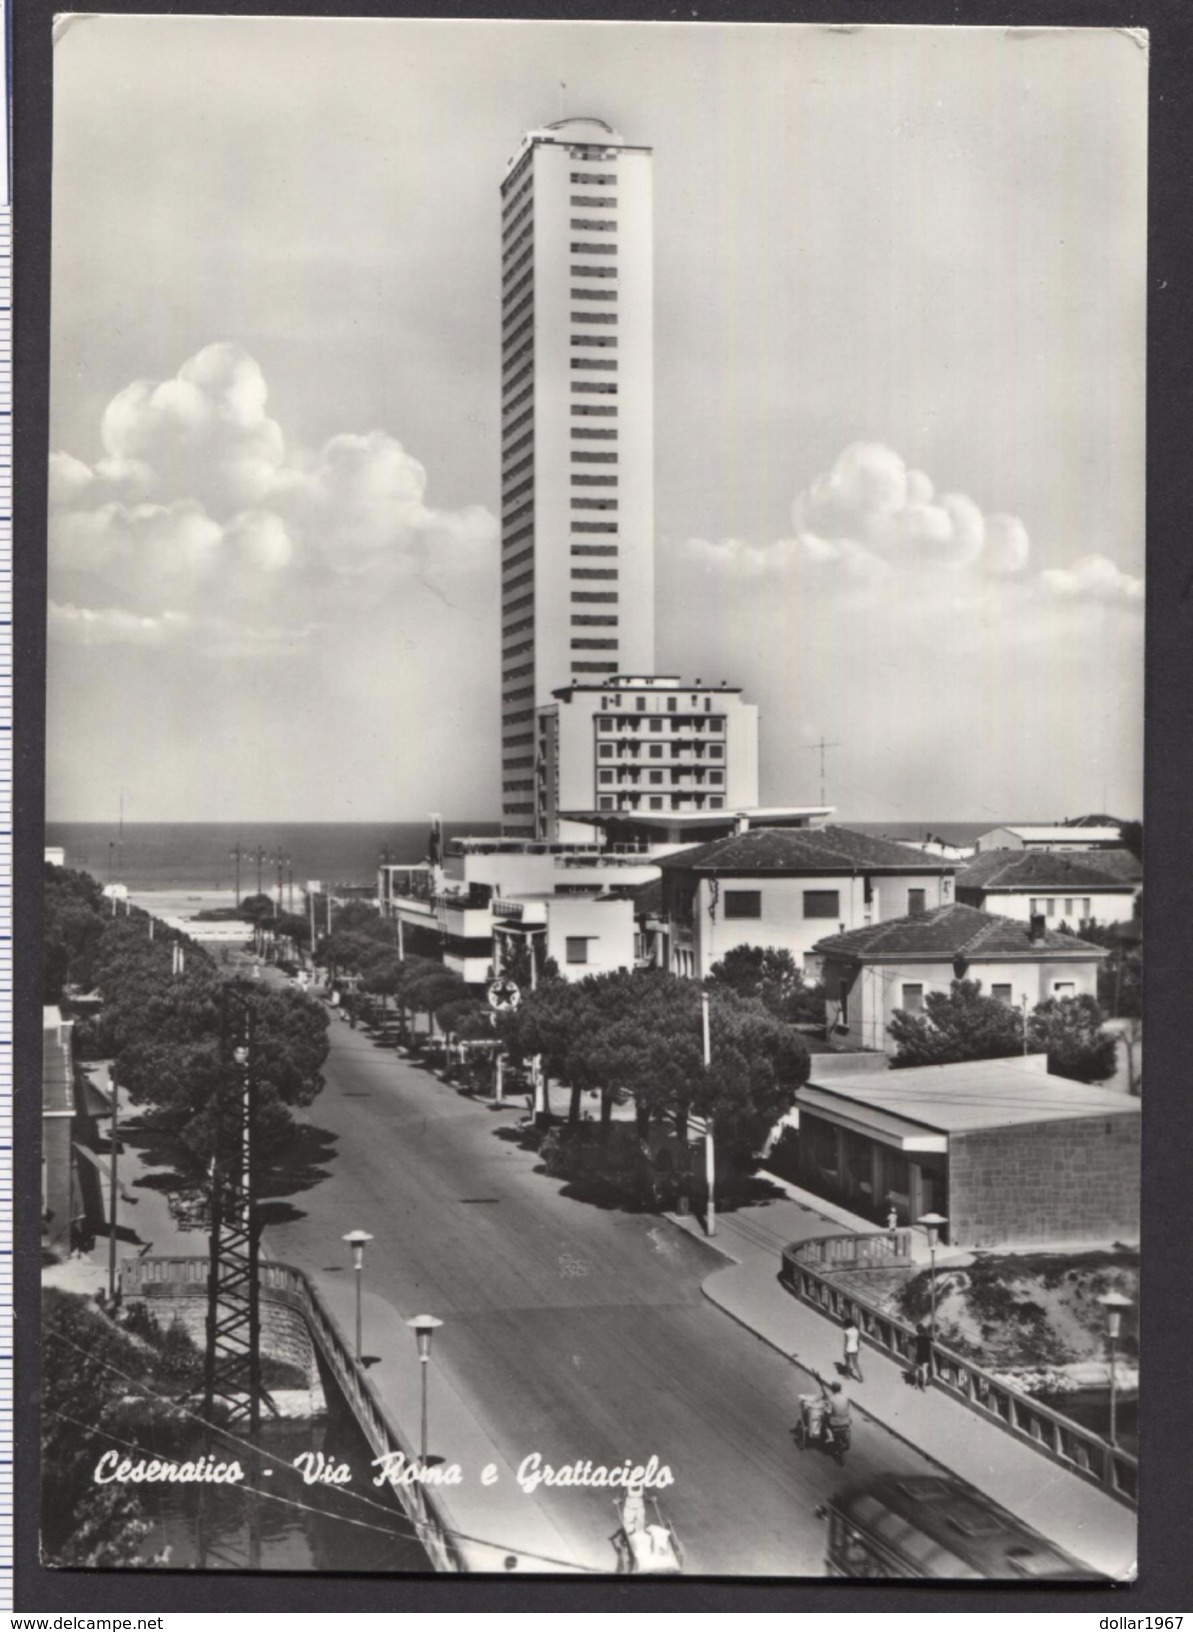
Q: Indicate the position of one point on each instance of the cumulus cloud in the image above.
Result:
(198, 500)
(911, 628)
(1093, 578)
(204, 433)
(871, 501)
(872, 520)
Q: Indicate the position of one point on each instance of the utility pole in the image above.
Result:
(238, 855)
(822, 747)
(232, 1368)
(113, 1190)
(384, 892)
(710, 1154)
(281, 861)
(260, 864)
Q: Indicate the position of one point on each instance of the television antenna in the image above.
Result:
(822, 748)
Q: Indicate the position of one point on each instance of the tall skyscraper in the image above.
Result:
(577, 440)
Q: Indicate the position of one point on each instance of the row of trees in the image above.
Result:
(162, 1029)
(624, 1035)
(639, 1036)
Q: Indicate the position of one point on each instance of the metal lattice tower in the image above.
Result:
(233, 1362)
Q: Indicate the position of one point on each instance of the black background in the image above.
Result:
(1166, 1441)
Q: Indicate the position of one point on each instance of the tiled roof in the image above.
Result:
(947, 931)
(1050, 869)
(803, 850)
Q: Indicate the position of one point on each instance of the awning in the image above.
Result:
(882, 1126)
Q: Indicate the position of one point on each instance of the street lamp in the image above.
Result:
(357, 1240)
(933, 1223)
(1114, 1303)
(423, 1327)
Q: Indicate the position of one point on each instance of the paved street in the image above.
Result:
(571, 1330)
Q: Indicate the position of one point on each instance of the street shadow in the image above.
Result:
(524, 1138)
(301, 1166)
(748, 1190)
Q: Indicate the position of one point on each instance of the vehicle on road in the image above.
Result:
(814, 1428)
(645, 1546)
(934, 1527)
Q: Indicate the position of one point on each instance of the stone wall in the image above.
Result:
(285, 1335)
(1047, 1181)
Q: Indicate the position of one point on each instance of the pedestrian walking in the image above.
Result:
(853, 1349)
(923, 1355)
(892, 1218)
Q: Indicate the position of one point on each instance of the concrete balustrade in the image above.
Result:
(805, 1272)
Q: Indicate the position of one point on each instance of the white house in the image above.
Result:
(784, 887)
(869, 973)
(1072, 888)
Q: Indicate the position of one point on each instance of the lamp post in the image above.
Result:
(933, 1223)
(1114, 1303)
(423, 1327)
(357, 1240)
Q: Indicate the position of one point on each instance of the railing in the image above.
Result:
(888, 1249)
(285, 1284)
(1079, 1449)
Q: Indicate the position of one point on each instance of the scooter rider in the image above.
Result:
(839, 1424)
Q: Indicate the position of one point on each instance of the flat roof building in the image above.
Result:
(1007, 1152)
(1035, 836)
(577, 439)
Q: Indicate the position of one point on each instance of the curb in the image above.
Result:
(713, 1245)
(853, 1399)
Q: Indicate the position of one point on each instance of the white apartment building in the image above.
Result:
(574, 903)
(577, 445)
(644, 744)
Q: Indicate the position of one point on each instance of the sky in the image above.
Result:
(899, 390)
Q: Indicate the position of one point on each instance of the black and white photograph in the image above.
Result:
(594, 800)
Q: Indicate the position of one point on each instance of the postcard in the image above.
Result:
(594, 800)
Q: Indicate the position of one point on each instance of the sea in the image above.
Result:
(200, 856)
(152, 857)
